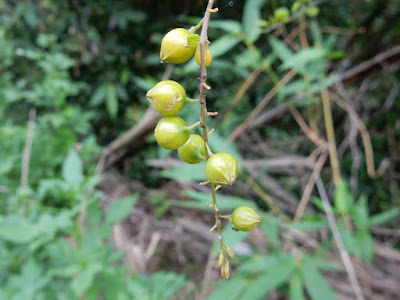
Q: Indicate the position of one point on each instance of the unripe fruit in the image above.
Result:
(175, 48)
(207, 55)
(171, 132)
(193, 151)
(281, 14)
(222, 169)
(168, 97)
(244, 218)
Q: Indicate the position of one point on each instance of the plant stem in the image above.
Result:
(203, 115)
(330, 135)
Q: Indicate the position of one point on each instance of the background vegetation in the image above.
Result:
(92, 208)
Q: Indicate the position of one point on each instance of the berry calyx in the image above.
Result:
(171, 132)
(175, 48)
(222, 169)
(244, 218)
(193, 151)
(207, 55)
(168, 97)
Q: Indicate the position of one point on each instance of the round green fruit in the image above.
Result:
(193, 151)
(244, 218)
(222, 169)
(168, 97)
(175, 48)
(171, 132)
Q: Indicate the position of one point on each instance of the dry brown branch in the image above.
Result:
(382, 61)
(306, 129)
(338, 240)
(369, 155)
(242, 90)
(309, 187)
(264, 102)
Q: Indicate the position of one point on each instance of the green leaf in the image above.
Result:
(271, 279)
(226, 25)
(120, 209)
(72, 170)
(303, 57)
(225, 43)
(360, 213)
(111, 100)
(384, 217)
(270, 228)
(316, 34)
(232, 287)
(251, 15)
(186, 172)
(280, 49)
(18, 232)
(98, 96)
(342, 198)
(309, 225)
(85, 279)
(365, 244)
(296, 287)
(316, 285)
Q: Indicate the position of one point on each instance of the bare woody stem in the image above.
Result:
(203, 124)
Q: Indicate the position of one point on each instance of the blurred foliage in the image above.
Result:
(82, 69)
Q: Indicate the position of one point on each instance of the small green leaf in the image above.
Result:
(225, 43)
(120, 209)
(186, 172)
(251, 16)
(280, 49)
(111, 100)
(303, 57)
(384, 217)
(296, 287)
(72, 170)
(343, 199)
(272, 278)
(316, 285)
(365, 244)
(270, 228)
(193, 40)
(85, 279)
(309, 225)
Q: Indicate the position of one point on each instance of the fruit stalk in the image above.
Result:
(202, 99)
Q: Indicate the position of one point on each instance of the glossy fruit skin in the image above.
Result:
(244, 218)
(193, 150)
(168, 97)
(222, 169)
(174, 47)
(171, 132)
(207, 55)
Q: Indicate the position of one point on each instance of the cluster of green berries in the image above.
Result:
(169, 97)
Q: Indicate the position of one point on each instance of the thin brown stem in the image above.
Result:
(203, 123)
(330, 135)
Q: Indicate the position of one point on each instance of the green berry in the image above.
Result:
(193, 151)
(175, 48)
(222, 169)
(171, 132)
(281, 14)
(168, 97)
(207, 57)
(244, 218)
